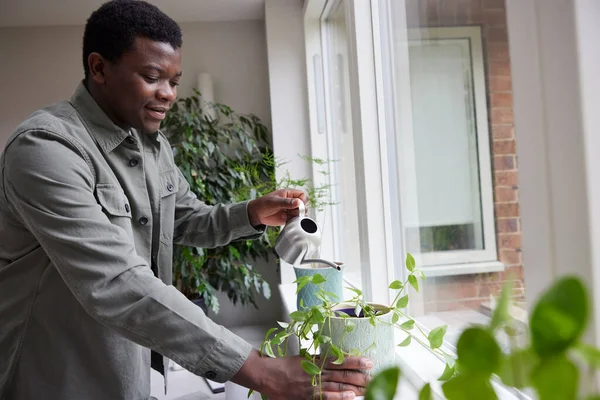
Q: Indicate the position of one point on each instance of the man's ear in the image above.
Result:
(97, 68)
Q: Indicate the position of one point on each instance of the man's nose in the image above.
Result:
(167, 92)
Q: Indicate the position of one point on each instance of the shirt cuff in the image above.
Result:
(240, 222)
(226, 358)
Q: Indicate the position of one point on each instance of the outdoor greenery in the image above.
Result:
(226, 158)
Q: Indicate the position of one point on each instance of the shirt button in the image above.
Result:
(143, 221)
(130, 140)
(133, 162)
(170, 187)
(211, 375)
(127, 207)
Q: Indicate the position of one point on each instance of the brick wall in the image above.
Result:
(471, 290)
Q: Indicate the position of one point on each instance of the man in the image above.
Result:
(90, 206)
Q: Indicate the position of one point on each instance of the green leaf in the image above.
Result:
(354, 353)
(317, 317)
(436, 336)
(310, 368)
(556, 378)
(448, 373)
(406, 341)
(410, 262)
(449, 360)
(384, 385)
(395, 318)
(413, 282)
(338, 354)
(283, 324)
(516, 368)
(467, 387)
(589, 354)
(349, 326)
(298, 316)
(402, 302)
(317, 279)
(559, 317)
(269, 350)
(408, 325)
(270, 332)
(501, 314)
(396, 285)
(357, 310)
(425, 393)
(301, 282)
(478, 351)
(358, 292)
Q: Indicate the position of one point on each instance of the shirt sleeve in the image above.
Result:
(49, 184)
(198, 224)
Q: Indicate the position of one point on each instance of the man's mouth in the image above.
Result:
(157, 113)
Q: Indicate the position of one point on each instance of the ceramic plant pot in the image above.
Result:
(334, 284)
(374, 342)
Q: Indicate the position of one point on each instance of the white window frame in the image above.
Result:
(376, 254)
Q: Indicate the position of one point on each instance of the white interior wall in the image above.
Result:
(42, 65)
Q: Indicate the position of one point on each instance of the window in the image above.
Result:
(450, 216)
(417, 103)
(410, 59)
(450, 107)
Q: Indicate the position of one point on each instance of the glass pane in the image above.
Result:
(341, 143)
(445, 145)
(455, 152)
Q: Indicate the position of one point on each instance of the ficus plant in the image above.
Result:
(226, 157)
(309, 325)
(554, 364)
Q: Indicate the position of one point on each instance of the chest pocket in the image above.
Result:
(169, 186)
(115, 205)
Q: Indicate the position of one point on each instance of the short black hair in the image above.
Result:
(111, 29)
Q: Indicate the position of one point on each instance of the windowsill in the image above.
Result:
(463, 269)
(419, 365)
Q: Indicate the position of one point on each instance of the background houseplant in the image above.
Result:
(226, 158)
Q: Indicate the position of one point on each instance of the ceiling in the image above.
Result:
(76, 12)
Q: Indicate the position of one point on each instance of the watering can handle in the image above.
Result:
(301, 209)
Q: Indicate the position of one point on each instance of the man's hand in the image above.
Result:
(284, 379)
(275, 208)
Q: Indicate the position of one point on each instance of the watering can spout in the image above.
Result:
(320, 261)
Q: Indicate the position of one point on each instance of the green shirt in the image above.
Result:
(87, 211)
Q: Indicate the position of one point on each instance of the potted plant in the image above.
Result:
(353, 327)
(226, 159)
(554, 364)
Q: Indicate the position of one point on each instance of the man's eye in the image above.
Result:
(150, 79)
(174, 84)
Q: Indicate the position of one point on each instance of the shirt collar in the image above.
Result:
(107, 134)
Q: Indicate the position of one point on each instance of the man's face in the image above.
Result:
(142, 85)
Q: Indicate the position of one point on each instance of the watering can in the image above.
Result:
(299, 239)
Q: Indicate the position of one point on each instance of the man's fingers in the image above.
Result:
(340, 387)
(346, 376)
(334, 396)
(351, 363)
